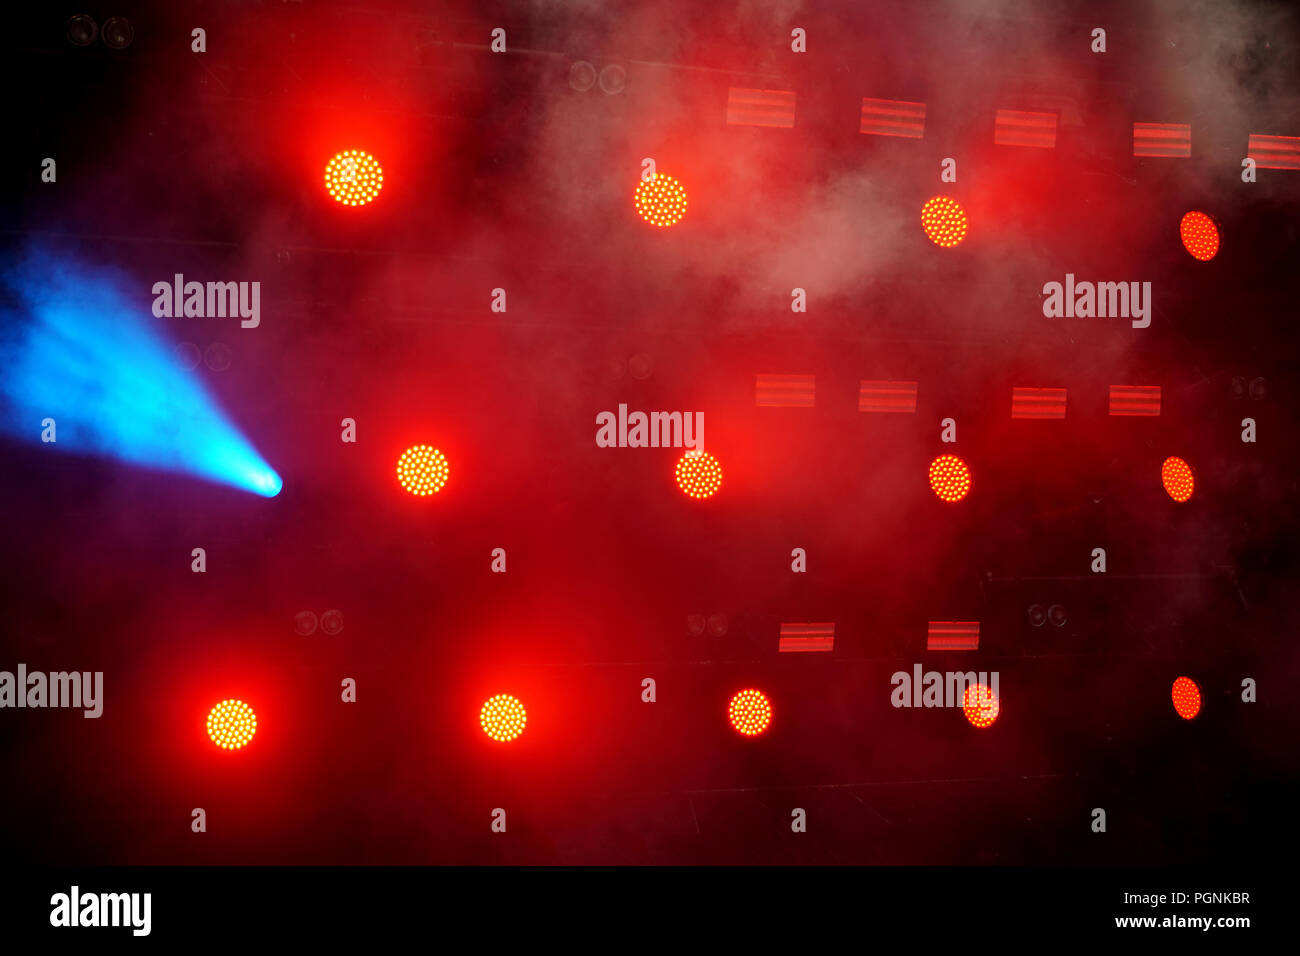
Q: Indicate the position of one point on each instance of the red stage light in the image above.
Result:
(980, 705)
(699, 474)
(661, 200)
(950, 478)
(422, 470)
(1187, 698)
(353, 177)
(502, 717)
(1178, 478)
(750, 713)
(1200, 235)
(944, 221)
(231, 724)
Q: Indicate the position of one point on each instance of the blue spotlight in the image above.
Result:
(82, 354)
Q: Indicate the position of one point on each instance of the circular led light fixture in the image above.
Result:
(422, 470)
(231, 724)
(502, 717)
(661, 200)
(353, 177)
(698, 474)
(944, 221)
(749, 712)
(949, 478)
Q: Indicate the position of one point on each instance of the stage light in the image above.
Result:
(1186, 697)
(892, 118)
(944, 221)
(353, 177)
(422, 470)
(118, 33)
(231, 724)
(661, 200)
(1177, 477)
(502, 717)
(79, 350)
(949, 478)
(749, 712)
(760, 108)
(980, 705)
(1200, 235)
(582, 76)
(698, 474)
(82, 30)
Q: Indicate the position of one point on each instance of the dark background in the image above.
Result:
(499, 174)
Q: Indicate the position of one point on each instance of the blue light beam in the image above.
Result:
(77, 351)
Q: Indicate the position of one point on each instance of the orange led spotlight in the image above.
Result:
(749, 712)
(698, 474)
(422, 470)
(231, 724)
(1200, 235)
(944, 221)
(980, 705)
(353, 177)
(1177, 477)
(502, 717)
(949, 478)
(1186, 697)
(660, 200)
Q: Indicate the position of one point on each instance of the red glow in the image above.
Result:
(1177, 477)
(231, 724)
(980, 705)
(1200, 235)
(353, 178)
(698, 474)
(750, 713)
(950, 478)
(944, 221)
(502, 717)
(661, 200)
(422, 470)
(1187, 698)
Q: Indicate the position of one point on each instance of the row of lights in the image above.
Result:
(423, 470)
(117, 32)
(232, 723)
(354, 178)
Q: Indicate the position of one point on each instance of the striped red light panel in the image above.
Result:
(1015, 128)
(785, 391)
(1037, 402)
(805, 638)
(760, 108)
(1135, 399)
(1162, 139)
(953, 636)
(893, 118)
(887, 397)
(1274, 152)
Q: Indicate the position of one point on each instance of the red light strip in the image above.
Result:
(760, 108)
(802, 638)
(892, 118)
(1135, 400)
(1037, 402)
(1162, 139)
(1014, 128)
(785, 391)
(1274, 152)
(887, 397)
(953, 636)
